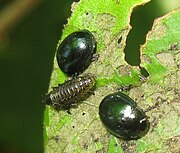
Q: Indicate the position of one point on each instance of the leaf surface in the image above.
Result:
(109, 22)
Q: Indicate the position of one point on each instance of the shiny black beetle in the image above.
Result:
(122, 117)
(75, 53)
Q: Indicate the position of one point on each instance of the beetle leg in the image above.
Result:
(68, 111)
(91, 92)
(95, 57)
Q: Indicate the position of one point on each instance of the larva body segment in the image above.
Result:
(70, 92)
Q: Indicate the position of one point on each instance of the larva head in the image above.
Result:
(47, 100)
(90, 81)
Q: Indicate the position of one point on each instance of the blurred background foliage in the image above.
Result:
(29, 32)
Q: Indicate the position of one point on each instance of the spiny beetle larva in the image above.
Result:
(70, 92)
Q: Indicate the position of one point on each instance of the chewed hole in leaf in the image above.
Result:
(144, 72)
(119, 40)
(141, 21)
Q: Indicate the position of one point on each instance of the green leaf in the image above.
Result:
(160, 57)
(113, 146)
(161, 46)
(83, 131)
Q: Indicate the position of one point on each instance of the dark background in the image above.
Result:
(26, 57)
